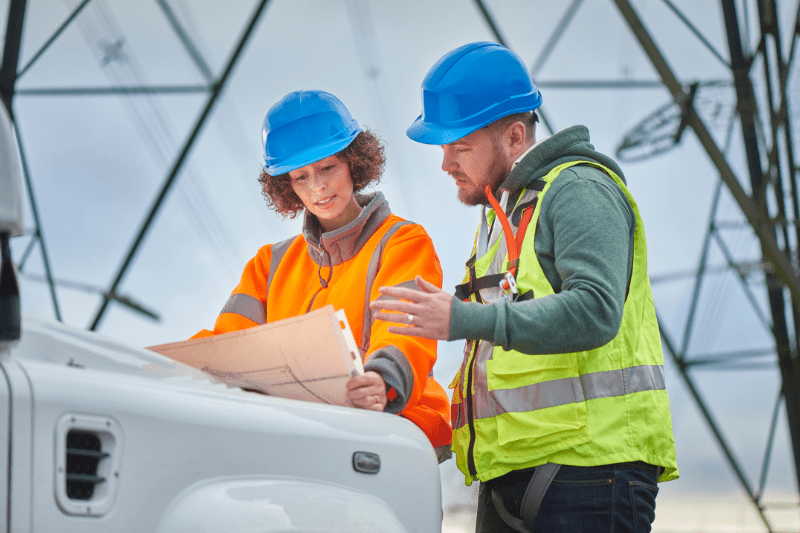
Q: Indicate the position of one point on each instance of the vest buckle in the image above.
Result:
(509, 287)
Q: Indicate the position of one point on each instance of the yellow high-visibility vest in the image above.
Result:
(512, 410)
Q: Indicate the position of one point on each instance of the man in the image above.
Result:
(562, 383)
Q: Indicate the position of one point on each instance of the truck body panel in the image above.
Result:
(167, 428)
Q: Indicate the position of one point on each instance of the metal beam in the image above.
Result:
(191, 48)
(39, 235)
(122, 299)
(770, 442)
(701, 268)
(696, 32)
(743, 281)
(555, 36)
(53, 37)
(490, 21)
(115, 91)
(170, 180)
(8, 81)
(499, 38)
(712, 424)
(790, 369)
(599, 84)
(754, 213)
(8, 70)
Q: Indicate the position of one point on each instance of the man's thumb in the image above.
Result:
(424, 285)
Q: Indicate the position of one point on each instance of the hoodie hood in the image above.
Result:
(571, 144)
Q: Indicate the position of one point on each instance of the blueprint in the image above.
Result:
(308, 357)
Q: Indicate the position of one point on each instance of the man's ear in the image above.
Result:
(516, 139)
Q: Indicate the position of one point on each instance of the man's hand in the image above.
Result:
(422, 313)
(367, 391)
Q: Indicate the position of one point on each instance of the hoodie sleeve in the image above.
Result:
(403, 362)
(584, 242)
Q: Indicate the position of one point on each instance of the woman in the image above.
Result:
(317, 160)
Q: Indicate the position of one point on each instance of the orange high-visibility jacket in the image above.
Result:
(345, 268)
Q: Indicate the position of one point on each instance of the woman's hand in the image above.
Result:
(367, 391)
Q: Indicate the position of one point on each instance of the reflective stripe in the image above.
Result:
(372, 273)
(249, 306)
(412, 284)
(593, 386)
(534, 397)
(278, 251)
(246, 306)
(626, 381)
(443, 453)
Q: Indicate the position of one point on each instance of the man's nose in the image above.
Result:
(448, 162)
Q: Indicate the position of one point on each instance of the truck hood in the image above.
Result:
(55, 343)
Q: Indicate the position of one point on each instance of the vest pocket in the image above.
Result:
(507, 370)
(537, 402)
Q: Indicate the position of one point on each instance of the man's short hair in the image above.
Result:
(528, 118)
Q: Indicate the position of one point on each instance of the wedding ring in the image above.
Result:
(410, 318)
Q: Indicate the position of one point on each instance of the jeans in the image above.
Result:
(617, 498)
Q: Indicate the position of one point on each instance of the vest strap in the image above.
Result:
(511, 243)
(465, 290)
(540, 481)
(475, 284)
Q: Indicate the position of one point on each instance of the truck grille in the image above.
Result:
(84, 453)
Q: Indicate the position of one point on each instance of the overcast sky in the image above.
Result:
(97, 163)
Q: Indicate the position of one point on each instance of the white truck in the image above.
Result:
(97, 436)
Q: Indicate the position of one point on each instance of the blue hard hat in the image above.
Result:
(470, 87)
(304, 127)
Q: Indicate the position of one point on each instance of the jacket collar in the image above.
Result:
(343, 244)
(571, 144)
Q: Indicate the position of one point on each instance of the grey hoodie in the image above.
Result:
(584, 244)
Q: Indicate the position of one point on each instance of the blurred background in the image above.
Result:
(140, 129)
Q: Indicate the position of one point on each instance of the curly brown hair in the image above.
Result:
(364, 157)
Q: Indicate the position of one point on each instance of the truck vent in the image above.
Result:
(84, 453)
(88, 457)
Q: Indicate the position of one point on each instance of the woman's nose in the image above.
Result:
(318, 182)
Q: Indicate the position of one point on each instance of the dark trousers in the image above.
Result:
(617, 498)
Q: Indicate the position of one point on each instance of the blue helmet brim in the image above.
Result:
(310, 156)
(431, 133)
(427, 133)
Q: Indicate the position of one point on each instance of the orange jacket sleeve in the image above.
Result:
(404, 362)
(253, 284)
